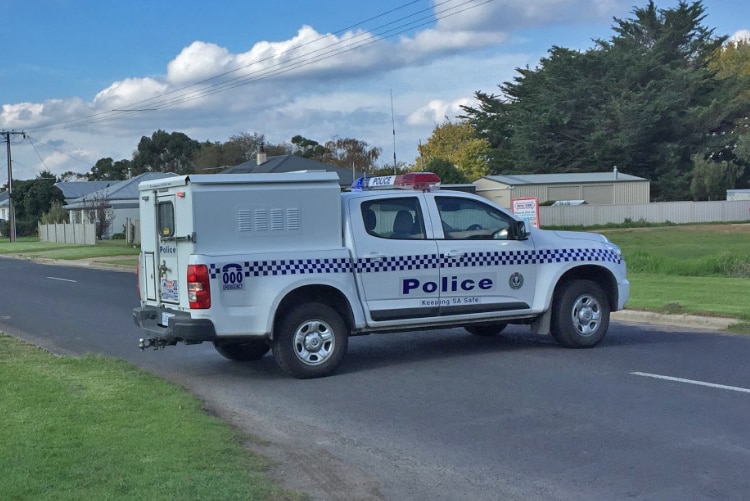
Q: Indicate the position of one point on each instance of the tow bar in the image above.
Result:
(154, 343)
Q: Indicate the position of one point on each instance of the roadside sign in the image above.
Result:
(527, 209)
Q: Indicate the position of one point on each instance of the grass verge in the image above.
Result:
(97, 428)
(709, 296)
(690, 269)
(721, 250)
(32, 247)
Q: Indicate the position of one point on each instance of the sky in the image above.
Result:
(85, 79)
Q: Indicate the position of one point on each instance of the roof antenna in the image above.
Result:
(393, 123)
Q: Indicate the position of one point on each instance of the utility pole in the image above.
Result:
(393, 123)
(11, 209)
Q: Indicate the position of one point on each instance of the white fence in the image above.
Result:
(69, 233)
(659, 212)
(133, 231)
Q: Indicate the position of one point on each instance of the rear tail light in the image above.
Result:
(199, 289)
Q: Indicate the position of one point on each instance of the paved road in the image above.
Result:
(444, 415)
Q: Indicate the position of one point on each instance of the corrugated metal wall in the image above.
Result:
(632, 193)
(661, 212)
(636, 192)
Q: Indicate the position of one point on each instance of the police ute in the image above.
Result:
(291, 264)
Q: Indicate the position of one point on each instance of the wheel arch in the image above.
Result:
(324, 294)
(598, 274)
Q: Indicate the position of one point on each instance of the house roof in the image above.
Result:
(291, 163)
(76, 189)
(566, 178)
(3, 198)
(119, 190)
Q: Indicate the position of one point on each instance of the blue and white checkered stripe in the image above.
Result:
(515, 258)
(276, 267)
(398, 263)
(474, 259)
(566, 255)
(281, 267)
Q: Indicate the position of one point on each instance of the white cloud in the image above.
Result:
(58, 162)
(437, 111)
(313, 84)
(740, 36)
(21, 114)
(198, 61)
(127, 93)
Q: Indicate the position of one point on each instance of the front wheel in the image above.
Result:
(580, 314)
(244, 351)
(310, 341)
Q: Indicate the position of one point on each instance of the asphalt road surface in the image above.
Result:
(651, 413)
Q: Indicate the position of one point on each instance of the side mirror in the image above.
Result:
(520, 232)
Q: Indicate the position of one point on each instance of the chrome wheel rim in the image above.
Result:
(586, 315)
(314, 342)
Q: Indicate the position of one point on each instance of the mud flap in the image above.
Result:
(541, 324)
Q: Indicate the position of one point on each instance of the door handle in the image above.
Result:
(454, 254)
(375, 256)
(163, 269)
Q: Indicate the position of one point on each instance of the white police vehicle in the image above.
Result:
(288, 262)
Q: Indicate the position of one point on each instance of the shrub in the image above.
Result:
(27, 227)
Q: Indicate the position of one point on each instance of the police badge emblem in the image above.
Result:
(516, 281)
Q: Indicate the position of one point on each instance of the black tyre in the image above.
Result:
(310, 341)
(244, 351)
(580, 314)
(485, 330)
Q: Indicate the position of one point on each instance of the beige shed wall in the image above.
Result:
(602, 194)
(495, 192)
(636, 192)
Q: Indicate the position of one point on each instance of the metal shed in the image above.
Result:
(738, 194)
(595, 188)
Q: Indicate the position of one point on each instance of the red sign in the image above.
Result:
(527, 209)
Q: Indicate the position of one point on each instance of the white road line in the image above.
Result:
(692, 381)
(63, 279)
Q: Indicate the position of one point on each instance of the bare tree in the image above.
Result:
(99, 212)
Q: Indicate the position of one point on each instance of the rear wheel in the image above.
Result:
(485, 330)
(310, 341)
(580, 314)
(244, 351)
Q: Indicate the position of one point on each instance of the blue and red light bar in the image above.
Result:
(418, 181)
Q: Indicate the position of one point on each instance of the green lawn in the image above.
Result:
(694, 269)
(32, 247)
(720, 250)
(710, 296)
(96, 428)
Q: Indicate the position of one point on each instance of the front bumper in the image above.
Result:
(181, 327)
(623, 293)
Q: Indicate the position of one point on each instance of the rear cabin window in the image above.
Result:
(165, 219)
(397, 218)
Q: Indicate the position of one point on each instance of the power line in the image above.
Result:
(34, 140)
(204, 88)
(37, 153)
